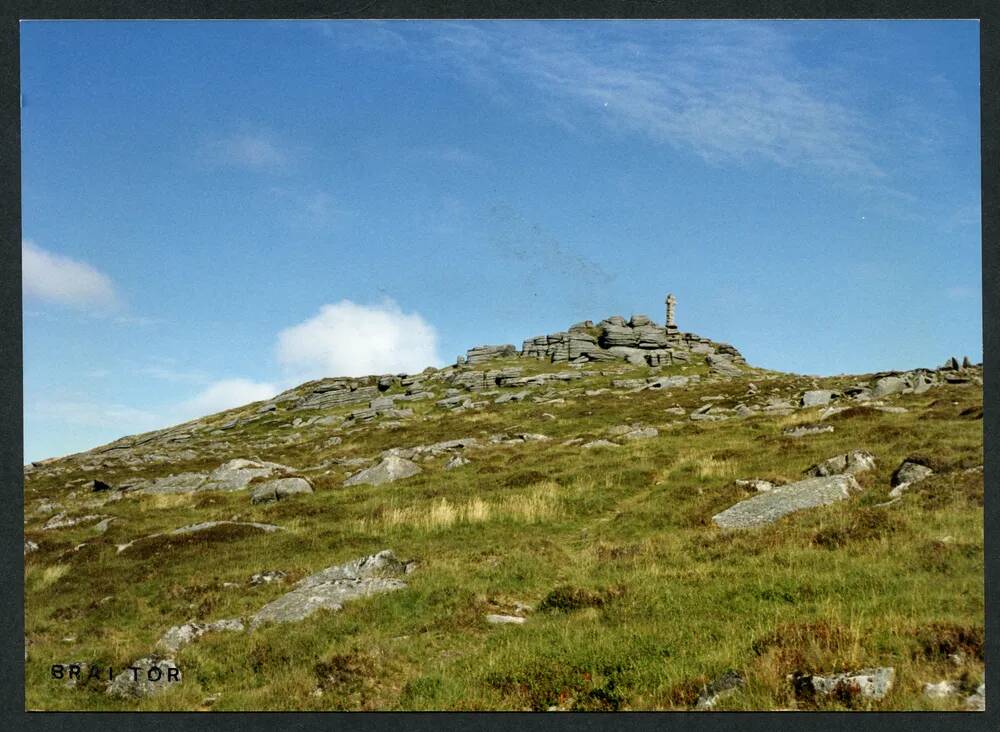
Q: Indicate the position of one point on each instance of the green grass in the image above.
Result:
(639, 599)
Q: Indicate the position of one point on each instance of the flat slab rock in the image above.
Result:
(234, 475)
(766, 508)
(332, 587)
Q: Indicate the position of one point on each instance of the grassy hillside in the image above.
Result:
(636, 598)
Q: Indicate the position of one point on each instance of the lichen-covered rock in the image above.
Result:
(332, 587)
(869, 683)
(766, 508)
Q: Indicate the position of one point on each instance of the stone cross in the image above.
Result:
(671, 303)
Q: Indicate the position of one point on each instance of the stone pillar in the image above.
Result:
(671, 304)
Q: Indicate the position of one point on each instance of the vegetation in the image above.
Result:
(639, 600)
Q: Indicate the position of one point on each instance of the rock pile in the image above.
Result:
(638, 341)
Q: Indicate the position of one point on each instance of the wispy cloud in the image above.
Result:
(258, 151)
(53, 277)
(726, 92)
(89, 413)
(450, 154)
(312, 208)
(168, 373)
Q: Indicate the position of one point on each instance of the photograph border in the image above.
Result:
(11, 376)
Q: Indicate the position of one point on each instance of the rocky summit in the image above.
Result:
(618, 515)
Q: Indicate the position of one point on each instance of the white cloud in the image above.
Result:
(347, 339)
(56, 278)
(245, 150)
(225, 394)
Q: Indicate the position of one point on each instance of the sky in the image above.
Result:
(214, 211)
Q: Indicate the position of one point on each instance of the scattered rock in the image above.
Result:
(180, 635)
(456, 462)
(390, 469)
(62, 521)
(266, 578)
(768, 507)
(807, 429)
(332, 587)
(29, 546)
(505, 619)
(910, 471)
(643, 433)
(599, 443)
(853, 462)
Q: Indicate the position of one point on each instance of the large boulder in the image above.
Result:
(766, 508)
(817, 397)
(332, 587)
(391, 468)
(888, 385)
(853, 462)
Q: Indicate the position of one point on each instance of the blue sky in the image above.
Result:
(213, 211)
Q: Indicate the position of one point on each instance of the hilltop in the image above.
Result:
(615, 516)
